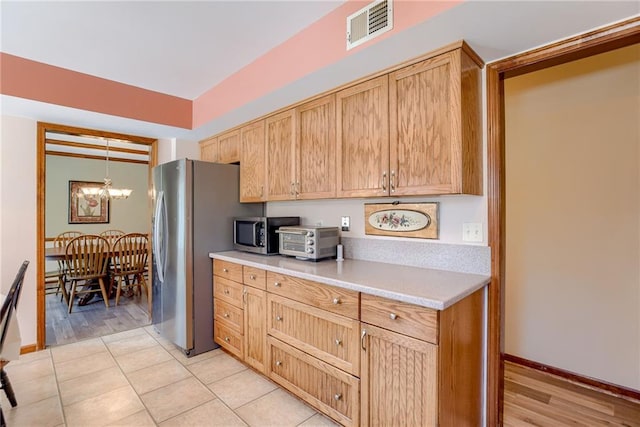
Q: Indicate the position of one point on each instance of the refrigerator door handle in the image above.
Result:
(158, 245)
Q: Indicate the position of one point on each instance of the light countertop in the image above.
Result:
(437, 289)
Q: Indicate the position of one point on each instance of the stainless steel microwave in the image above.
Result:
(258, 234)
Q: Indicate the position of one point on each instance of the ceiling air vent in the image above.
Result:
(369, 22)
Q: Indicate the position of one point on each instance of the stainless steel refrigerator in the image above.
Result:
(195, 203)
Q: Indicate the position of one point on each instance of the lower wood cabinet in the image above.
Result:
(255, 328)
(432, 381)
(325, 387)
(399, 380)
(359, 359)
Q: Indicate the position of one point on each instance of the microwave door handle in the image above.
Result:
(255, 229)
(300, 233)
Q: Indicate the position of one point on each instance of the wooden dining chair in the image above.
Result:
(86, 259)
(129, 260)
(112, 235)
(55, 280)
(7, 316)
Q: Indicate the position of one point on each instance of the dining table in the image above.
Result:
(58, 254)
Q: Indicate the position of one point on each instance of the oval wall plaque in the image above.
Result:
(399, 220)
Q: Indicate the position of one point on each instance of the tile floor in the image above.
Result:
(136, 378)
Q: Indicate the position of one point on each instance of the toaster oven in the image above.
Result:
(308, 241)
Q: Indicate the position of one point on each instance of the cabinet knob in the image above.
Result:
(279, 318)
(226, 270)
(278, 363)
(276, 284)
(337, 301)
(393, 316)
(337, 396)
(338, 342)
(252, 276)
(226, 315)
(227, 339)
(226, 291)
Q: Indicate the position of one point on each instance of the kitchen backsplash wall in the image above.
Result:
(420, 253)
(448, 252)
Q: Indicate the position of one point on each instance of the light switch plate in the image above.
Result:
(345, 223)
(472, 232)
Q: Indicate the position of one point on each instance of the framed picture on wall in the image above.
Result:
(84, 209)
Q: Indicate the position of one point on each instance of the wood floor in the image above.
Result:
(94, 319)
(535, 398)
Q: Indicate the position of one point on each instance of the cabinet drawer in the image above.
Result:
(330, 337)
(330, 298)
(228, 291)
(408, 319)
(328, 389)
(228, 270)
(254, 277)
(228, 339)
(231, 316)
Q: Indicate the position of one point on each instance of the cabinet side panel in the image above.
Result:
(471, 127)
(461, 362)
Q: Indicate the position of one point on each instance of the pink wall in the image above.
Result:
(319, 45)
(28, 79)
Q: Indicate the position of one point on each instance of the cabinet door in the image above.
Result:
(228, 147)
(398, 379)
(280, 130)
(209, 150)
(255, 329)
(424, 103)
(362, 130)
(316, 149)
(252, 163)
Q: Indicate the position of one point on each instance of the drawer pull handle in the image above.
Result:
(279, 318)
(338, 342)
(252, 276)
(362, 339)
(393, 316)
(278, 363)
(226, 315)
(276, 284)
(337, 396)
(226, 291)
(336, 301)
(225, 270)
(227, 339)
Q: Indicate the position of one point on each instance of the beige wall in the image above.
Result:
(573, 216)
(130, 215)
(18, 215)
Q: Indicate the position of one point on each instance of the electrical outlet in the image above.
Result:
(345, 223)
(472, 232)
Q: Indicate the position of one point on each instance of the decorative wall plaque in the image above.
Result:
(418, 220)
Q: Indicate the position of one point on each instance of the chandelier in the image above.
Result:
(106, 191)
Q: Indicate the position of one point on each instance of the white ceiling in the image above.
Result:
(186, 48)
(181, 48)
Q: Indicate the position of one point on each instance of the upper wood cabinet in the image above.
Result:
(209, 150)
(223, 148)
(252, 162)
(281, 131)
(301, 152)
(414, 130)
(228, 147)
(362, 146)
(434, 136)
(315, 149)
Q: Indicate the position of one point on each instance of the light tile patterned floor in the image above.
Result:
(136, 378)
